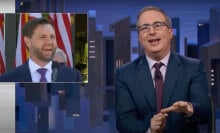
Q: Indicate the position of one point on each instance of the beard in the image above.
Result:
(39, 54)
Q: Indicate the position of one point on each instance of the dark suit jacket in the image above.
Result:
(135, 101)
(22, 74)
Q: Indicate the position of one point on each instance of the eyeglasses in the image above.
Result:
(146, 27)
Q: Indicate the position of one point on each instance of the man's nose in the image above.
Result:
(50, 40)
(151, 30)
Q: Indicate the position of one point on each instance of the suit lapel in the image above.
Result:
(24, 73)
(145, 80)
(172, 73)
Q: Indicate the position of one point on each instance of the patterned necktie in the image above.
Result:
(158, 78)
(42, 72)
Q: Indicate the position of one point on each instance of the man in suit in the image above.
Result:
(40, 39)
(182, 101)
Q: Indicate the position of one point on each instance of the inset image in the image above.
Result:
(44, 47)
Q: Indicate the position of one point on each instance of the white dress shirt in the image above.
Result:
(35, 75)
(163, 69)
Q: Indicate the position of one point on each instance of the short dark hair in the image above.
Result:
(29, 27)
(149, 8)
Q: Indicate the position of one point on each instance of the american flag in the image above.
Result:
(62, 25)
(22, 53)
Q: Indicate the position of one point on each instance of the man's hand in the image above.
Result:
(158, 122)
(180, 107)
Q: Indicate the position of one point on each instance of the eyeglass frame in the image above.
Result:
(154, 25)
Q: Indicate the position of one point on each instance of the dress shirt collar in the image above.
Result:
(33, 66)
(151, 62)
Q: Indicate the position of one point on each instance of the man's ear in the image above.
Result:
(27, 41)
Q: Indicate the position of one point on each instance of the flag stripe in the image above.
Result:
(63, 34)
(2, 46)
(59, 39)
(65, 29)
(23, 47)
(22, 53)
(67, 24)
(20, 57)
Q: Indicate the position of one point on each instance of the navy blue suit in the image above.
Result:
(22, 74)
(135, 102)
